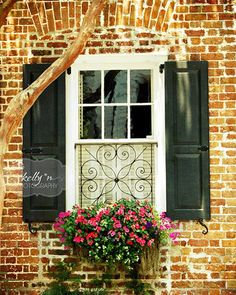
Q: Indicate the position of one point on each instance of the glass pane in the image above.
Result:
(140, 121)
(91, 83)
(140, 86)
(91, 127)
(115, 86)
(115, 122)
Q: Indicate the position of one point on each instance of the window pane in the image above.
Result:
(91, 122)
(140, 121)
(91, 86)
(115, 86)
(140, 86)
(115, 122)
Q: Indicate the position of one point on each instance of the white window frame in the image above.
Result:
(112, 62)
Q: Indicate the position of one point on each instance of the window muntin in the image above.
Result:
(115, 104)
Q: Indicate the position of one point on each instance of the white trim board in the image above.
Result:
(108, 62)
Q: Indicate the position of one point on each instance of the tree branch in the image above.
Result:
(21, 103)
(5, 8)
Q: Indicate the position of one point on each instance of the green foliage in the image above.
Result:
(137, 285)
(57, 289)
(115, 234)
(63, 271)
(63, 282)
(94, 292)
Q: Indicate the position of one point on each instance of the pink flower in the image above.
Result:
(142, 212)
(80, 211)
(135, 218)
(64, 214)
(78, 239)
(98, 228)
(174, 235)
(141, 241)
(118, 236)
(117, 225)
(90, 242)
(81, 219)
(127, 217)
(163, 214)
(93, 221)
(57, 226)
(132, 235)
(62, 240)
(114, 219)
(104, 211)
(120, 211)
(111, 233)
(135, 226)
(125, 228)
(91, 235)
(129, 242)
(150, 242)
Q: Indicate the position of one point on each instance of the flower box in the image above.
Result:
(117, 233)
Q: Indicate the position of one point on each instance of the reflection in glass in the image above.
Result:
(91, 122)
(91, 86)
(140, 121)
(115, 122)
(140, 86)
(115, 86)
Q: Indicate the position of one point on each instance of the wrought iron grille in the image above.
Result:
(108, 172)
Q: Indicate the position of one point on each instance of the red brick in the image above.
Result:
(211, 37)
(198, 243)
(27, 260)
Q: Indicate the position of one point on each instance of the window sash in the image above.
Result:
(116, 61)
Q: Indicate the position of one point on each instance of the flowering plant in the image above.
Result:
(115, 233)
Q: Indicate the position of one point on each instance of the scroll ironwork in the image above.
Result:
(109, 172)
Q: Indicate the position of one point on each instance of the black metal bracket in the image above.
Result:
(69, 71)
(33, 230)
(200, 221)
(161, 68)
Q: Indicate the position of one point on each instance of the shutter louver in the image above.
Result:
(187, 140)
(44, 139)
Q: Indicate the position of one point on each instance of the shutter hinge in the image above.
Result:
(200, 221)
(33, 230)
(69, 71)
(161, 68)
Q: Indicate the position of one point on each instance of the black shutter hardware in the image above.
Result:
(161, 68)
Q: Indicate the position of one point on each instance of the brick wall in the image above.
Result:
(188, 30)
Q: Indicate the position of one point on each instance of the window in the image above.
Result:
(115, 122)
(173, 140)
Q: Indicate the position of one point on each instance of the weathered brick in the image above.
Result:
(197, 30)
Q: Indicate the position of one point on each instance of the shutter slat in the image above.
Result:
(44, 134)
(187, 129)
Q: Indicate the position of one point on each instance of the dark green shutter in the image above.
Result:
(44, 138)
(187, 140)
